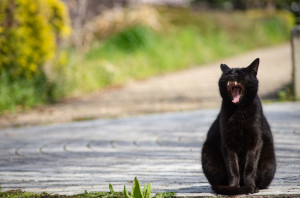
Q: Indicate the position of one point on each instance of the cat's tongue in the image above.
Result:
(236, 95)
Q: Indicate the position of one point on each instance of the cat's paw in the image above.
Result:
(234, 182)
(252, 189)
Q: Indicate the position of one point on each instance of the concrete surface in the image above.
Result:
(163, 149)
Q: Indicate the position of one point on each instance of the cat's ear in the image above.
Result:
(224, 67)
(253, 67)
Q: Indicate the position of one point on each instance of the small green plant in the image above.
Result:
(111, 189)
(136, 191)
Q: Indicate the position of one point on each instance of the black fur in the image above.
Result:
(238, 155)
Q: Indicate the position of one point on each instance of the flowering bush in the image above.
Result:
(29, 36)
(29, 31)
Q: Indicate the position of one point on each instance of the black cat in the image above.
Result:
(238, 155)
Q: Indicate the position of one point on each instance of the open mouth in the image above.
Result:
(236, 89)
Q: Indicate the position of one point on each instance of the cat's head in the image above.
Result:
(239, 85)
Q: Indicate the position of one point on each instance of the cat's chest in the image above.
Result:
(240, 132)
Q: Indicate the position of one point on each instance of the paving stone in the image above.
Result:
(163, 149)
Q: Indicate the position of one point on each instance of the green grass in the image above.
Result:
(22, 194)
(25, 93)
(136, 192)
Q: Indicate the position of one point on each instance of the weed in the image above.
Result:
(136, 191)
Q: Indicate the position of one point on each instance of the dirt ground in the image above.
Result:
(193, 88)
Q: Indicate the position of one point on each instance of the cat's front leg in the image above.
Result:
(232, 166)
(250, 171)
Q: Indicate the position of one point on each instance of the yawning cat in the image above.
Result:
(238, 155)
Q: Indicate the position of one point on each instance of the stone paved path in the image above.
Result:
(163, 149)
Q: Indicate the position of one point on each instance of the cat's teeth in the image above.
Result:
(228, 83)
(235, 83)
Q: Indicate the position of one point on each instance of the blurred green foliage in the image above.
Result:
(187, 38)
(289, 5)
(29, 31)
(130, 39)
(23, 92)
(247, 4)
(176, 39)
